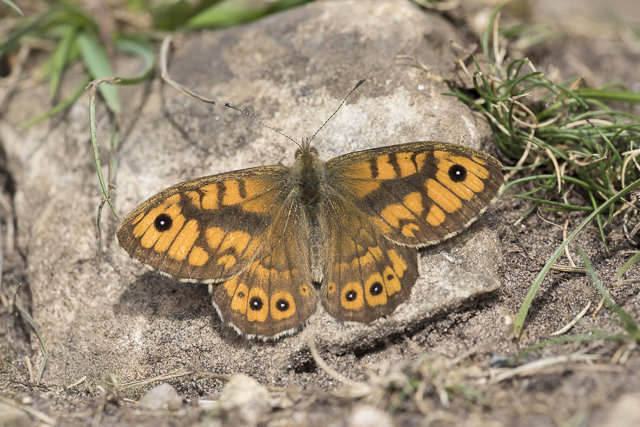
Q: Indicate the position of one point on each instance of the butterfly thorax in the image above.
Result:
(309, 174)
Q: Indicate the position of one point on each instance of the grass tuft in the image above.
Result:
(574, 147)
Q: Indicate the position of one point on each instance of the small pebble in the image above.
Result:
(366, 416)
(162, 397)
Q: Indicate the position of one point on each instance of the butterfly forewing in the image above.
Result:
(419, 193)
(207, 229)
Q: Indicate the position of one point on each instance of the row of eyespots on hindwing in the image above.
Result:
(256, 305)
(377, 287)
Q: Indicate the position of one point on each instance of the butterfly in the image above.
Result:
(263, 238)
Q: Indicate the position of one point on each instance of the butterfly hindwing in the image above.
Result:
(366, 275)
(418, 193)
(275, 295)
(207, 229)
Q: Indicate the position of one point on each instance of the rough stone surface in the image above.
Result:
(244, 401)
(242, 389)
(625, 412)
(161, 397)
(10, 416)
(365, 415)
(291, 70)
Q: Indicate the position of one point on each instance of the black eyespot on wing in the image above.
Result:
(163, 222)
(282, 305)
(457, 173)
(390, 277)
(256, 303)
(240, 294)
(351, 295)
(376, 288)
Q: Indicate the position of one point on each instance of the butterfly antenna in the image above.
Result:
(263, 124)
(341, 104)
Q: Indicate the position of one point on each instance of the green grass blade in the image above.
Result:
(96, 60)
(13, 6)
(610, 95)
(169, 16)
(599, 219)
(96, 150)
(489, 29)
(561, 206)
(59, 59)
(627, 265)
(629, 324)
(226, 13)
(526, 304)
(13, 39)
(233, 12)
(59, 107)
(144, 51)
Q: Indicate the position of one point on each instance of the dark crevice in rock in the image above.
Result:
(15, 340)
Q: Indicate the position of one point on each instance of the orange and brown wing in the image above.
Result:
(366, 275)
(383, 203)
(275, 295)
(207, 229)
(420, 193)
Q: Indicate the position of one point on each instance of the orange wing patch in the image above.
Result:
(232, 192)
(436, 216)
(214, 237)
(184, 242)
(387, 166)
(198, 257)
(443, 197)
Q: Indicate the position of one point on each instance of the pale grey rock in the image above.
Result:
(244, 401)
(291, 70)
(625, 412)
(10, 416)
(240, 390)
(162, 397)
(367, 415)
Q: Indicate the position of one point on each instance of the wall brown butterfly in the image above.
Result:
(263, 237)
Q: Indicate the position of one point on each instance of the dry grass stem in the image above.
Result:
(32, 377)
(175, 374)
(164, 73)
(556, 167)
(325, 367)
(573, 322)
(625, 282)
(17, 303)
(598, 308)
(631, 156)
(564, 239)
(536, 367)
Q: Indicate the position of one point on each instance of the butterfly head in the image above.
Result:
(305, 149)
